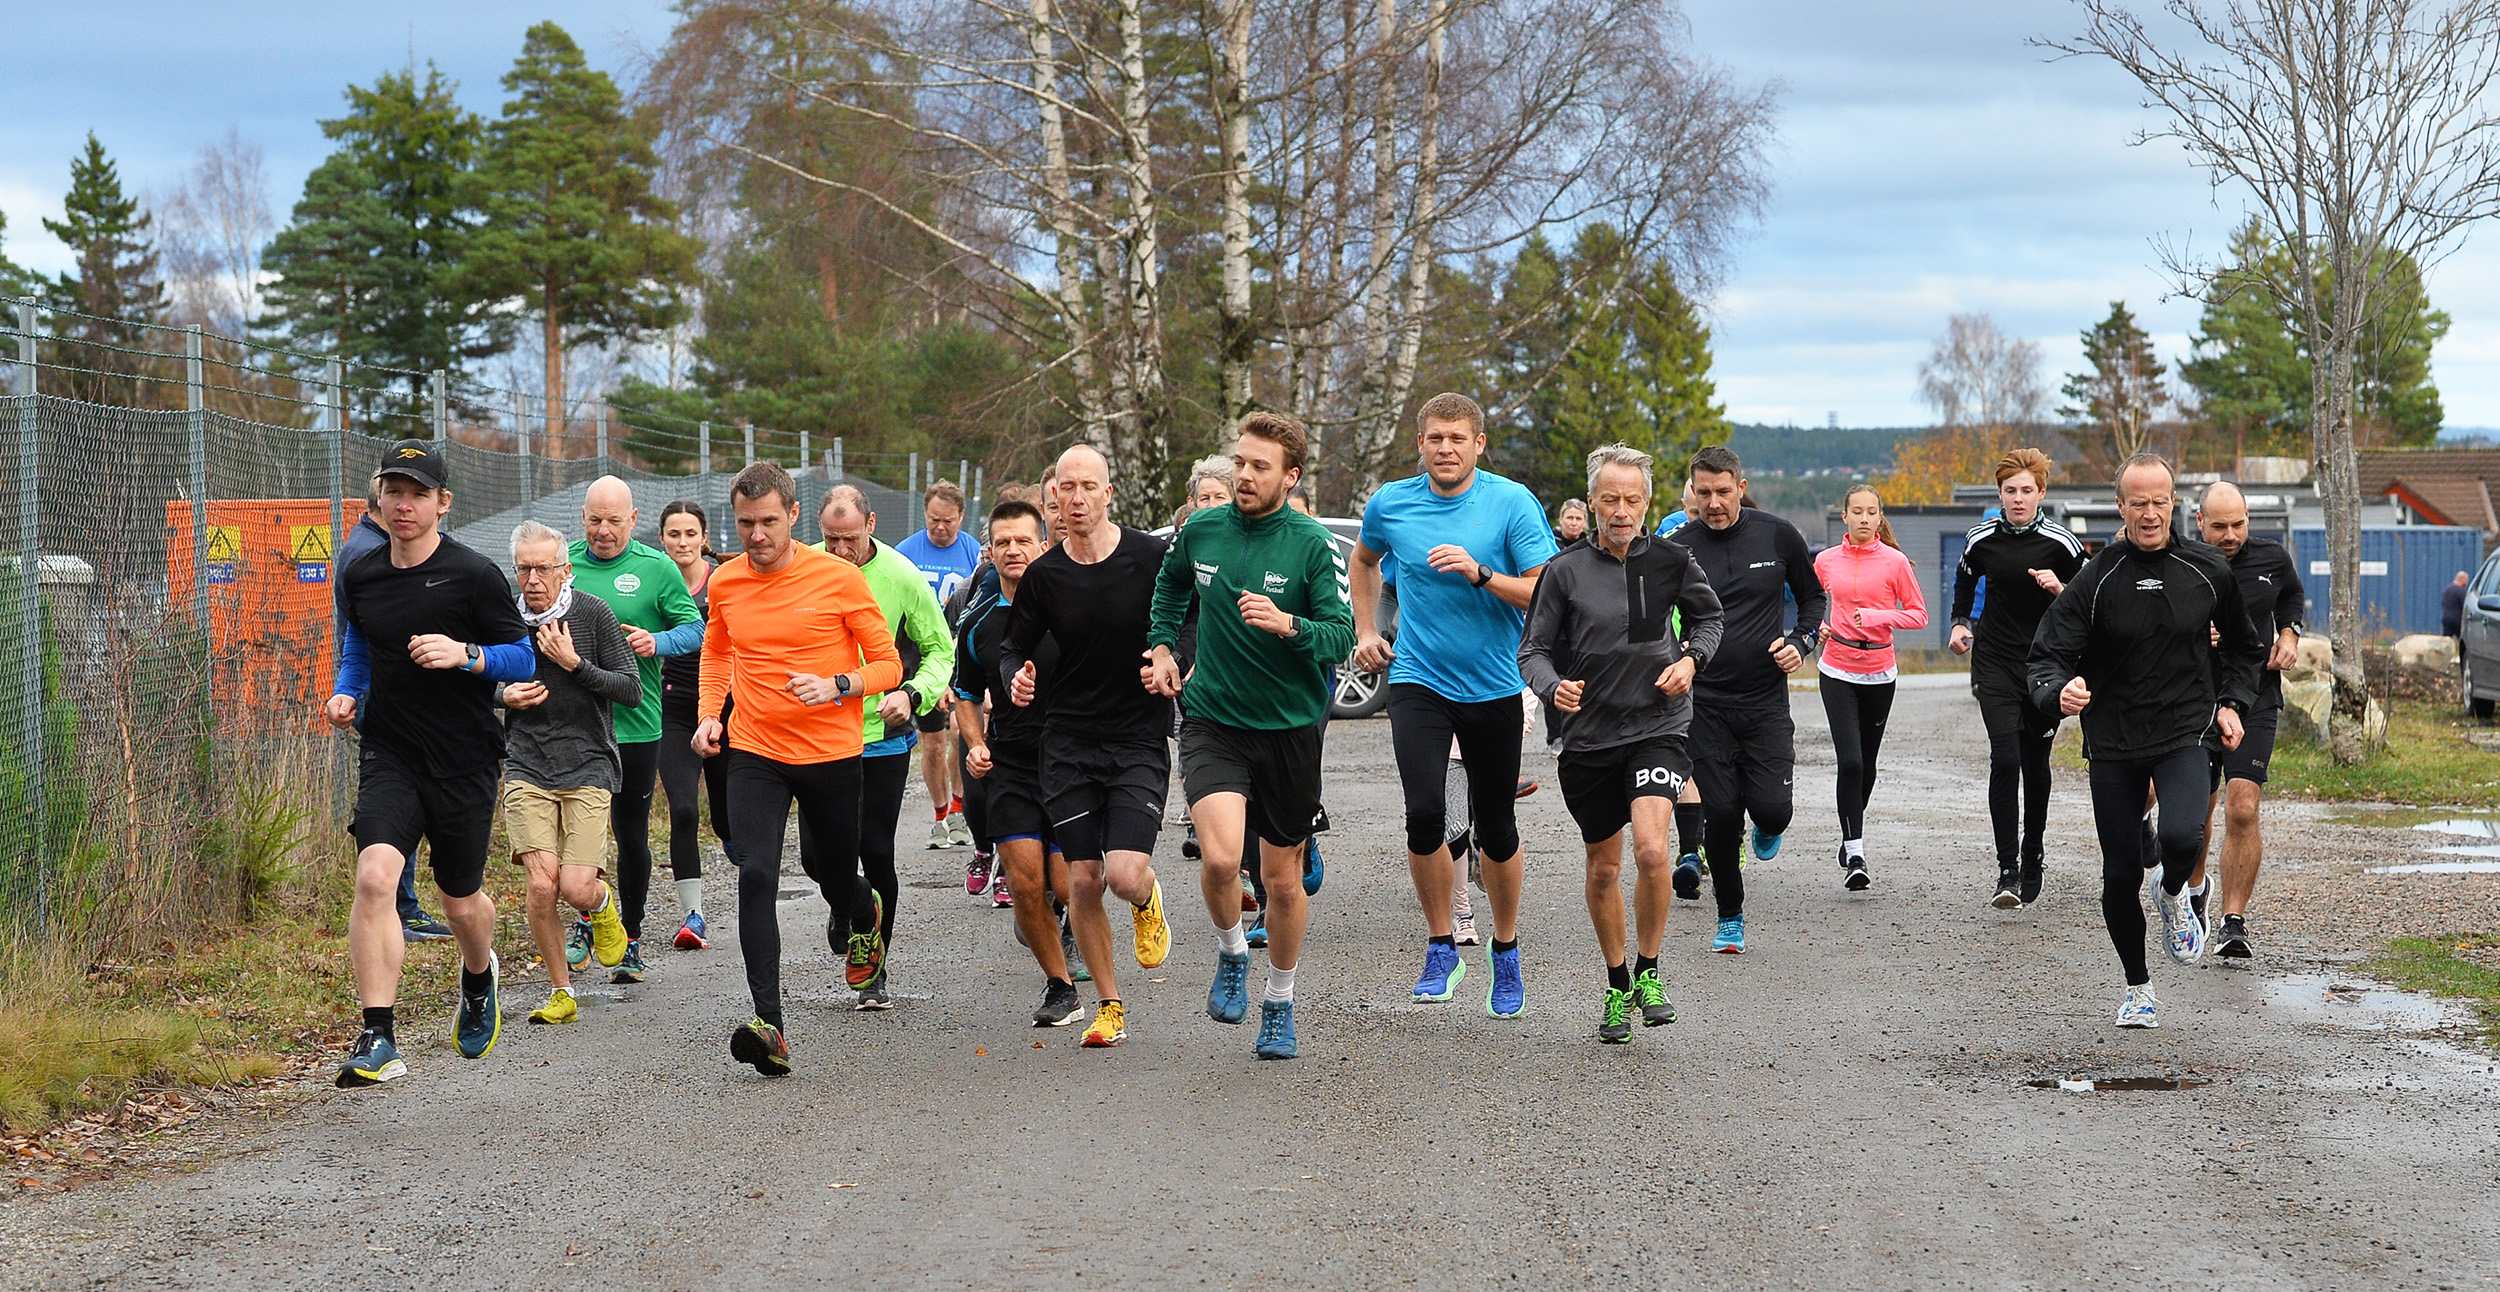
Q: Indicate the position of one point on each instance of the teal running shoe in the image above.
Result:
(1442, 971)
(480, 1021)
(630, 968)
(373, 1061)
(1731, 938)
(1765, 846)
(1228, 1001)
(1313, 869)
(1276, 1038)
(577, 943)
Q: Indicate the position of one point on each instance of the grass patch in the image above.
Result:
(2436, 966)
(2426, 763)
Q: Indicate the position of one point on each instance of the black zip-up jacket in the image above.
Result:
(2138, 627)
(2005, 556)
(1750, 564)
(2269, 582)
(1608, 623)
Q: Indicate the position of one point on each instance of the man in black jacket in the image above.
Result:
(1601, 645)
(2269, 582)
(2151, 643)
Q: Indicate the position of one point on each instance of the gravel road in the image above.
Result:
(1847, 1106)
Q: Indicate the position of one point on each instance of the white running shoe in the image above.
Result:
(2139, 1009)
(1463, 920)
(2183, 930)
(940, 837)
(958, 831)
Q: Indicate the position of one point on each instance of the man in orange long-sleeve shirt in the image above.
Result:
(788, 624)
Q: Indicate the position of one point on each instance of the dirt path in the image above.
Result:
(1848, 1106)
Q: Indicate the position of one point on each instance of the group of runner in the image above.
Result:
(1075, 649)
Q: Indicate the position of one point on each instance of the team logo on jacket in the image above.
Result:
(2148, 585)
(1206, 574)
(1276, 582)
(628, 584)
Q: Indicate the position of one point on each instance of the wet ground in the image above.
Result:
(1887, 1091)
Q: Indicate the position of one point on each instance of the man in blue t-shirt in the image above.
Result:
(946, 556)
(1468, 546)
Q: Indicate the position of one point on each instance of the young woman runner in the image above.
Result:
(1873, 594)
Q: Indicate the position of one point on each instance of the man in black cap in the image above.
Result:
(428, 627)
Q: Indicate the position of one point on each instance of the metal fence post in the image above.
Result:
(911, 490)
(442, 406)
(703, 480)
(963, 472)
(197, 423)
(980, 481)
(837, 457)
(337, 416)
(748, 428)
(521, 438)
(603, 439)
(30, 615)
(807, 458)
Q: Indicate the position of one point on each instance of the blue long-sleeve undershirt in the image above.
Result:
(684, 639)
(510, 662)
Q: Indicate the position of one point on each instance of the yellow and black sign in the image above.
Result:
(309, 547)
(225, 543)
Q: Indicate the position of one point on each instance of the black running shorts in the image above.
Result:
(2248, 762)
(1278, 771)
(1598, 786)
(2005, 706)
(1104, 794)
(398, 804)
(932, 722)
(1014, 783)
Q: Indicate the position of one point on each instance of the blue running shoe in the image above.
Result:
(480, 1020)
(1276, 1039)
(1313, 869)
(1442, 971)
(1765, 846)
(1508, 995)
(1256, 934)
(1688, 877)
(1731, 939)
(373, 1061)
(693, 935)
(1228, 1001)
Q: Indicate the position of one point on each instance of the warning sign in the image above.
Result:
(225, 544)
(309, 547)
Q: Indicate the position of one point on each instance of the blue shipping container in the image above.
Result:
(2403, 570)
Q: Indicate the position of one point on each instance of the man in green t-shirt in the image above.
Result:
(649, 597)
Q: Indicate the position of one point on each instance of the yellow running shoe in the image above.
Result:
(1154, 933)
(1110, 1025)
(560, 1008)
(607, 931)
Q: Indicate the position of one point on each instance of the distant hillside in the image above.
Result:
(1794, 450)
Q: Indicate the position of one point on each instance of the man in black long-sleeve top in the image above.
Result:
(1744, 743)
(2269, 582)
(2151, 643)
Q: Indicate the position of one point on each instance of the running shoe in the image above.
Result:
(867, 954)
(1276, 1039)
(1731, 937)
(1256, 933)
(2232, 942)
(629, 969)
(1000, 898)
(607, 931)
(1077, 972)
(1110, 1026)
(1614, 1025)
(977, 874)
(1507, 996)
(1765, 846)
(373, 1061)
(761, 1046)
(1154, 933)
(1228, 1001)
(1443, 968)
(691, 934)
(1249, 894)
(1688, 877)
(1189, 840)
(577, 942)
(1651, 995)
(2196, 898)
(874, 996)
(958, 831)
(1314, 871)
(940, 837)
(2183, 931)
(422, 927)
(1527, 786)
(2031, 867)
(1060, 1006)
(480, 1020)
(1462, 918)
(2151, 845)
(1853, 876)
(2009, 890)
(560, 1008)
(2139, 1009)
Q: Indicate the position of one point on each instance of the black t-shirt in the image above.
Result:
(1099, 615)
(440, 719)
(1756, 566)
(980, 640)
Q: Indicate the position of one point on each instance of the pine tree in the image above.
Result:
(115, 286)
(13, 280)
(2118, 399)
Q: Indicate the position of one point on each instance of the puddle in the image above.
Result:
(2491, 866)
(2323, 1000)
(2464, 827)
(2092, 1085)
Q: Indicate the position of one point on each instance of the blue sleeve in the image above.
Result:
(1531, 543)
(511, 662)
(355, 670)
(1375, 531)
(684, 639)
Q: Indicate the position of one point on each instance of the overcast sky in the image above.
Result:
(1928, 162)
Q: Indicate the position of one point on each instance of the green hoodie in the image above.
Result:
(918, 623)
(645, 590)
(1248, 677)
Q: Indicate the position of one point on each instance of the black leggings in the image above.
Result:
(882, 781)
(1857, 711)
(681, 769)
(1421, 724)
(760, 794)
(629, 819)
(2181, 779)
(1745, 761)
(2019, 738)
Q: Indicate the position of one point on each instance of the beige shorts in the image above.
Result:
(572, 824)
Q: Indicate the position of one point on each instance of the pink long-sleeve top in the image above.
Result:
(1874, 593)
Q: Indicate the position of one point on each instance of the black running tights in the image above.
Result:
(1857, 711)
(761, 792)
(2182, 780)
(681, 771)
(881, 784)
(629, 819)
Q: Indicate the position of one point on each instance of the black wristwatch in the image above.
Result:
(475, 656)
(1484, 575)
(912, 691)
(841, 684)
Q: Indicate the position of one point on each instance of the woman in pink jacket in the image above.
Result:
(1874, 593)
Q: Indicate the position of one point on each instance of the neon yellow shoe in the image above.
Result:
(607, 931)
(1154, 933)
(560, 1008)
(1110, 1026)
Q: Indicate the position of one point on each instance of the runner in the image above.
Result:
(945, 556)
(1874, 593)
(429, 627)
(789, 630)
(1272, 617)
(2270, 585)
(928, 652)
(1104, 761)
(649, 597)
(1601, 644)
(1744, 742)
(2152, 645)
(1468, 545)
(2027, 560)
(683, 531)
(364, 536)
(1689, 867)
(560, 758)
(1007, 756)
(1571, 522)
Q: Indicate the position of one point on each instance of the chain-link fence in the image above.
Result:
(169, 506)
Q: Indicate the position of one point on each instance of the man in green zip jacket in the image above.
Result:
(1272, 617)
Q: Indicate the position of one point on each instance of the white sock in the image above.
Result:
(607, 898)
(1855, 848)
(1279, 983)
(690, 894)
(1233, 940)
(2197, 891)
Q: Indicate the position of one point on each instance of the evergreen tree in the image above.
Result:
(115, 286)
(2118, 399)
(13, 280)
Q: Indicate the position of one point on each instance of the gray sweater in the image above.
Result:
(568, 740)
(1610, 624)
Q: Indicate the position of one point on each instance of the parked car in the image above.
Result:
(2478, 639)
(1358, 694)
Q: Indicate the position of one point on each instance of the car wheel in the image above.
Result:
(1358, 694)
(2475, 704)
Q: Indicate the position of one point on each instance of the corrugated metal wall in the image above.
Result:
(2403, 569)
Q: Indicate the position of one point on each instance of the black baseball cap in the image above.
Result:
(418, 460)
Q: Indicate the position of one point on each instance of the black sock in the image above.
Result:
(1619, 977)
(1644, 964)
(773, 1018)
(1057, 983)
(1446, 940)
(473, 985)
(1500, 946)
(378, 1019)
(1687, 829)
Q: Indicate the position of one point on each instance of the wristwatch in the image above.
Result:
(913, 692)
(476, 656)
(841, 684)
(1484, 575)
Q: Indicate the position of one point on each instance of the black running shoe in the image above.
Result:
(1060, 1006)
(1688, 877)
(2233, 943)
(2031, 879)
(874, 996)
(2151, 844)
(1853, 874)
(2009, 890)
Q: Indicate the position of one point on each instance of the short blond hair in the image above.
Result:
(2018, 461)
